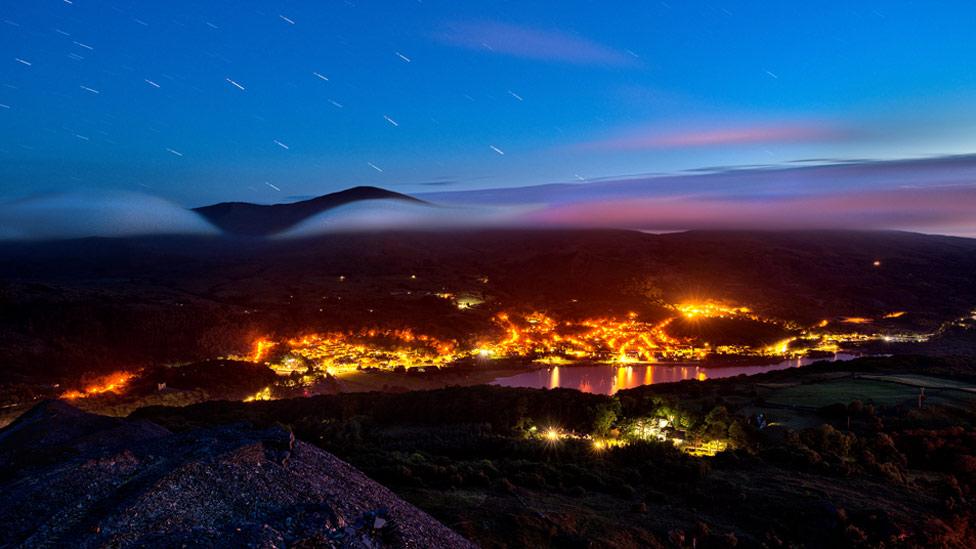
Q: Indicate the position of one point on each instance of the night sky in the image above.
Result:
(200, 102)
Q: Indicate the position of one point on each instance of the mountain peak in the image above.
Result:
(245, 218)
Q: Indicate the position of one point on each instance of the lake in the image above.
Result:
(607, 379)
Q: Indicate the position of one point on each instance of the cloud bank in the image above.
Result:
(79, 215)
(950, 210)
(936, 195)
(391, 214)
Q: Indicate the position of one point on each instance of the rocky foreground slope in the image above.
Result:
(70, 478)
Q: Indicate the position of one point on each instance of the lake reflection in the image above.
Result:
(607, 379)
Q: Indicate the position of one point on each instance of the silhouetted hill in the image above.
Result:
(76, 479)
(244, 218)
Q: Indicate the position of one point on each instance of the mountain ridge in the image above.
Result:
(249, 219)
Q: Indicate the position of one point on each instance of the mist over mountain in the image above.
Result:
(929, 195)
(397, 214)
(105, 214)
(244, 218)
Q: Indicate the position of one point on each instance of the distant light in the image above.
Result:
(856, 320)
(877, 263)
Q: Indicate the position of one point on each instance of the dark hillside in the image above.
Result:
(118, 303)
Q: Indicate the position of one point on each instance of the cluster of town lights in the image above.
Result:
(112, 383)
(535, 336)
(713, 309)
(541, 338)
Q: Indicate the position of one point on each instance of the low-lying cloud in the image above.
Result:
(950, 210)
(106, 214)
(392, 214)
(928, 195)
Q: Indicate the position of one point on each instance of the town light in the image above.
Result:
(551, 435)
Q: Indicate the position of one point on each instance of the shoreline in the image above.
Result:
(730, 362)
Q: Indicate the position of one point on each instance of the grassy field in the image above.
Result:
(793, 404)
(924, 381)
(890, 390)
(843, 391)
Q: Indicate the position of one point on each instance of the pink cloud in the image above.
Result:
(533, 43)
(732, 135)
(945, 210)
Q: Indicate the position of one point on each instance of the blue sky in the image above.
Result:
(263, 101)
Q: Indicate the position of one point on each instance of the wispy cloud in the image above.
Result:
(533, 43)
(710, 136)
(438, 183)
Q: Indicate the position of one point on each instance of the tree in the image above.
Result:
(605, 415)
(717, 422)
(738, 435)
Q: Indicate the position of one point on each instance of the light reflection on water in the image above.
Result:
(607, 379)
